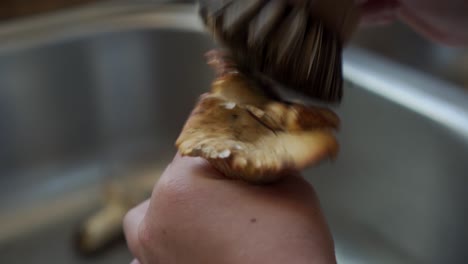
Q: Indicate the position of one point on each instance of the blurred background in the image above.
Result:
(93, 94)
(12, 9)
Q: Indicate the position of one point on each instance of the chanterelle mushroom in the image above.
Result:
(248, 135)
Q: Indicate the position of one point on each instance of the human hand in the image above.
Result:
(196, 215)
(443, 21)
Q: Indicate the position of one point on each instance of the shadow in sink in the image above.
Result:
(79, 110)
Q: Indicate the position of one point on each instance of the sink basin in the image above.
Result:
(82, 104)
(402, 45)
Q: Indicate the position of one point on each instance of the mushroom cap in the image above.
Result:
(249, 136)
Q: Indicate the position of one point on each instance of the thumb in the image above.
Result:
(131, 226)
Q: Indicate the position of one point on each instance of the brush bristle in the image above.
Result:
(281, 41)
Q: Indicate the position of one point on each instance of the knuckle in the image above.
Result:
(176, 190)
(145, 238)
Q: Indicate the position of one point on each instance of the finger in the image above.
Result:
(192, 183)
(135, 261)
(131, 225)
(193, 180)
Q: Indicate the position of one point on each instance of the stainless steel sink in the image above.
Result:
(400, 44)
(94, 95)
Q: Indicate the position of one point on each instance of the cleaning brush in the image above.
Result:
(296, 44)
(244, 126)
